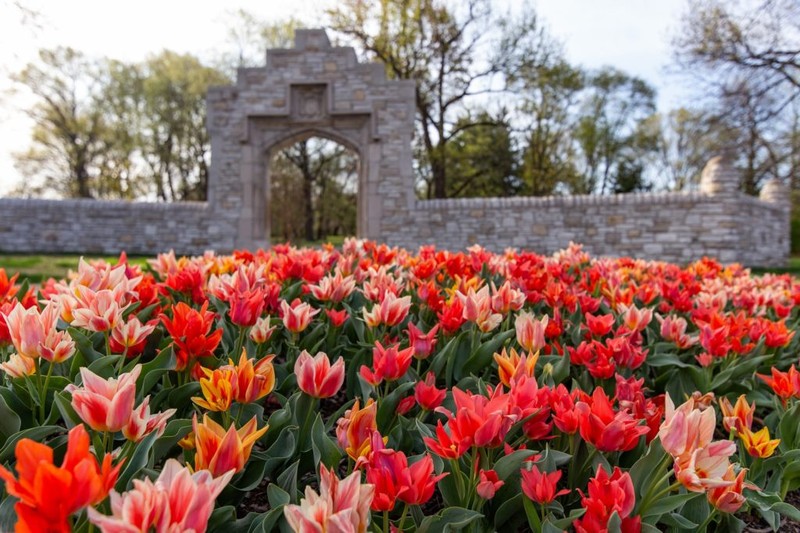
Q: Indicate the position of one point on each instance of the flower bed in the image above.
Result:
(370, 388)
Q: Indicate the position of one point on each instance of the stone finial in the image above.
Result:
(775, 191)
(311, 39)
(719, 176)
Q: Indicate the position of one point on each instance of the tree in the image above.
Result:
(610, 132)
(68, 124)
(481, 160)
(436, 44)
(249, 38)
(747, 58)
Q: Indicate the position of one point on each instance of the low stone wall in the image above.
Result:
(671, 227)
(109, 227)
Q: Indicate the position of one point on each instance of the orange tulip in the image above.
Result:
(219, 451)
(217, 389)
(252, 382)
(728, 499)
(784, 384)
(758, 444)
(355, 428)
(511, 365)
(737, 417)
(49, 494)
(18, 366)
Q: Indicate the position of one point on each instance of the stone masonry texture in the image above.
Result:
(315, 89)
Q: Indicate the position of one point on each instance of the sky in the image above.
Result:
(633, 35)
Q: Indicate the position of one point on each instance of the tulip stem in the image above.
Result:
(386, 522)
(403, 518)
(44, 391)
(108, 343)
(237, 351)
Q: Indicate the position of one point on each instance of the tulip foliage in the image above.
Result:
(370, 388)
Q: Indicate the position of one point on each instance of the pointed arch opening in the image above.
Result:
(313, 181)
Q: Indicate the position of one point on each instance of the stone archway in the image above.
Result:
(313, 89)
(294, 137)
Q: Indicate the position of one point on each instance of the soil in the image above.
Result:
(756, 524)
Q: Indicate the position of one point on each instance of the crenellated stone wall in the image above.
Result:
(315, 89)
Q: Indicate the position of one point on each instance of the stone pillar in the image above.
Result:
(776, 192)
(720, 177)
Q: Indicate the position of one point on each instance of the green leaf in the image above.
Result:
(153, 370)
(743, 367)
(484, 355)
(670, 503)
(84, 345)
(650, 464)
(324, 449)
(288, 481)
(665, 359)
(276, 496)
(512, 463)
(790, 428)
(137, 461)
(176, 429)
(9, 420)
(387, 407)
(450, 519)
(64, 406)
(38, 434)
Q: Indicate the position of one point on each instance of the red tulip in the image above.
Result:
(427, 395)
(189, 329)
(297, 316)
(423, 343)
(605, 429)
(488, 484)
(608, 494)
(541, 486)
(387, 363)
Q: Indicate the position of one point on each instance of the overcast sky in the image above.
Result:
(633, 35)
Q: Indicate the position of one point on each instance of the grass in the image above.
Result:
(38, 268)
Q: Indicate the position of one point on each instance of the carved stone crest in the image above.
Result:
(309, 102)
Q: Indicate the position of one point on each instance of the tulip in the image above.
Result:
(317, 377)
(510, 365)
(673, 329)
(297, 316)
(686, 428)
(97, 311)
(219, 451)
(423, 343)
(354, 430)
(785, 384)
(142, 423)
(758, 444)
(333, 288)
(217, 389)
(337, 318)
(261, 331)
(488, 484)
(34, 334)
(246, 307)
(388, 363)
(341, 505)
(394, 479)
(635, 319)
(478, 309)
(530, 332)
(729, 498)
(606, 495)
(506, 298)
(130, 337)
(189, 329)
(606, 430)
(427, 395)
(177, 501)
(105, 405)
(738, 417)
(599, 326)
(705, 468)
(447, 446)
(539, 486)
(251, 382)
(391, 311)
(18, 366)
(49, 494)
